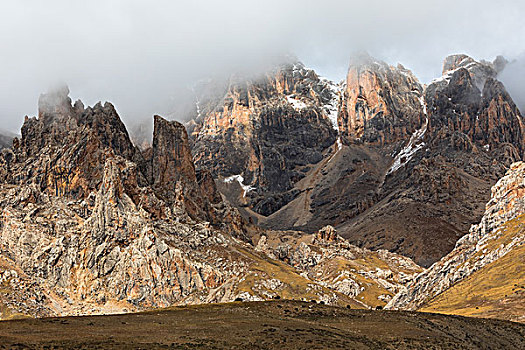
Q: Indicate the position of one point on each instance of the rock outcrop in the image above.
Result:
(381, 104)
(371, 278)
(440, 178)
(499, 233)
(172, 165)
(98, 226)
(411, 166)
(63, 151)
(90, 224)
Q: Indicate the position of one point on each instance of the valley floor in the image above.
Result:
(263, 325)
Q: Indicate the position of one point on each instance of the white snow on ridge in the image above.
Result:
(240, 180)
(414, 144)
(296, 104)
(339, 145)
(448, 75)
(332, 107)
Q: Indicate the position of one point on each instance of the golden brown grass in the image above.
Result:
(497, 290)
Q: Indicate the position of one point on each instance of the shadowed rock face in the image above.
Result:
(174, 176)
(172, 159)
(486, 115)
(424, 206)
(63, 151)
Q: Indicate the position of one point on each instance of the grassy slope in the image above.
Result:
(295, 286)
(497, 290)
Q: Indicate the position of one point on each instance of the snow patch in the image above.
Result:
(240, 180)
(339, 143)
(332, 107)
(296, 104)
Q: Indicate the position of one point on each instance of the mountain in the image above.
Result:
(440, 178)
(268, 130)
(91, 224)
(299, 152)
(283, 186)
(483, 276)
(6, 139)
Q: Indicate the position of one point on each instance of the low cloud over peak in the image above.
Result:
(144, 55)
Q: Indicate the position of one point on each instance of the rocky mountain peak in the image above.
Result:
(456, 61)
(55, 102)
(470, 100)
(480, 71)
(381, 103)
(264, 130)
(172, 160)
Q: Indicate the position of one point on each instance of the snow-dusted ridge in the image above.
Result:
(332, 107)
(448, 75)
(296, 104)
(414, 144)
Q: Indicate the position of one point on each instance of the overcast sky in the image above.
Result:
(143, 55)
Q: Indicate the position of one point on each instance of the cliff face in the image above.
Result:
(266, 130)
(63, 151)
(99, 227)
(480, 256)
(381, 104)
(440, 177)
(468, 100)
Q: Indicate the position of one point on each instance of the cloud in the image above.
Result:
(143, 55)
(513, 76)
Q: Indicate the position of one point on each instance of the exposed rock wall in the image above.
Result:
(102, 227)
(439, 180)
(381, 104)
(266, 129)
(371, 278)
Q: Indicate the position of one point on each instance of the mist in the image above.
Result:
(513, 76)
(144, 56)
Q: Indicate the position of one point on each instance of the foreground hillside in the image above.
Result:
(265, 325)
